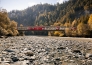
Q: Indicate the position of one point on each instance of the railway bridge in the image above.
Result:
(42, 28)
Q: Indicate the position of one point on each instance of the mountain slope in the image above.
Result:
(72, 13)
(46, 14)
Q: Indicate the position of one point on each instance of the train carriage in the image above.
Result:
(42, 28)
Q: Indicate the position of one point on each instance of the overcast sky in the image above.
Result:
(23, 4)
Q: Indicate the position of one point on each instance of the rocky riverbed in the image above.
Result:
(35, 50)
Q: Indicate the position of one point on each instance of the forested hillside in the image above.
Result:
(72, 13)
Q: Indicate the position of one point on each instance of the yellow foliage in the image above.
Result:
(15, 32)
(74, 23)
(86, 7)
(3, 25)
(13, 24)
(90, 22)
(67, 32)
(82, 29)
(57, 24)
(58, 33)
(7, 26)
(67, 24)
(10, 31)
(61, 24)
(74, 33)
(61, 35)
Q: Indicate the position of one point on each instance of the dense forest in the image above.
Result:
(73, 13)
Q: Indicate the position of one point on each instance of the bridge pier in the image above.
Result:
(21, 33)
(49, 33)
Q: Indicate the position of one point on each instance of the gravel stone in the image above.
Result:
(44, 50)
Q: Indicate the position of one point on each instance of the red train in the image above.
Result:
(43, 28)
(34, 28)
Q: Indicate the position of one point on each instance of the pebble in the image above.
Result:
(37, 50)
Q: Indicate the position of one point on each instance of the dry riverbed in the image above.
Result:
(40, 50)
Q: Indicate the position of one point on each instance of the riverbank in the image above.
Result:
(44, 50)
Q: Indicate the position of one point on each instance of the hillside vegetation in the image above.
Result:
(72, 13)
(7, 27)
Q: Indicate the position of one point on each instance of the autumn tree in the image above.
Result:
(7, 27)
(74, 23)
(67, 29)
(13, 27)
(67, 32)
(86, 7)
(67, 24)
(90, 22)
(82, 29)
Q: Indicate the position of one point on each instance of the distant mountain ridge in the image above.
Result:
(47, 14)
